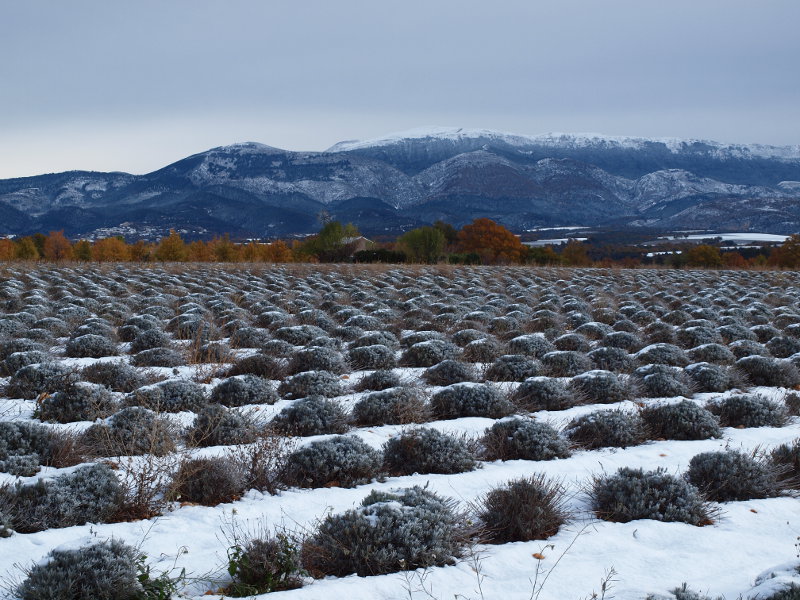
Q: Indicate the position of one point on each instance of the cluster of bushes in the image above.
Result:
(297, 337)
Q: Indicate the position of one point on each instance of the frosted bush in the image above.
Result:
(45, 378)
(606, 428)
(711, 378)
(249, 337)
(594, 330)
(602, 387)
(624, 326)
(16, 360)
(792, 400)
(103, 571)
(79, 401)
(174, 395)
(132, 431)
(470, 400)
(312, 416)
(712, 353)
(426, 450)
(426, 354)
(158, 357)
(786, 460)
(298, 335)
(734, 332)
(311, 383)
(190, 327)
(731, 475)
(662, 381)
(20, 465)
(783, 346)
(415, 337)
(148, 339)
(9, 347)
(612, 359)
(682, 421)
(513, 367)
(58, 327)
(259, 365)
(94, 327)
(484, 350)
(345, 461)
(381, 379)
(397, 405)
(633, 494)
(662, 354)
(529, 508)
(90, 346)
(89, 494)
(317, 358)
(383, 338)
(376, 356)
(23, 447)
(116, 376)
(772, 372)
(659, 332)
(525, 439)
(743, 348)
(215, 425)
(448, 372)
(273, 319)
(465, 336)
(574, 342)
(242, 390)
(621, 339)
(391, 531)
(544, 393)
(689, 337)
(533, 345)
(143, 322)
(364, 322)
(764, 332)
(565, 363)
(749, 410)
(546, 320)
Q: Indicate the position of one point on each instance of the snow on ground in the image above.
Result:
(749, 540)
(648, 556)
(739, 238)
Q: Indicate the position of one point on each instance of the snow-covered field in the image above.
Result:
(578, 311)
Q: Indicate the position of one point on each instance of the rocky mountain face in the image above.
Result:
(398, 182)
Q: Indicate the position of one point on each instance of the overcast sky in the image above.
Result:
(132, 86)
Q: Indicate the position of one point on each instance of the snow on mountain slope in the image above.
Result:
(574, 140)
(675, 184)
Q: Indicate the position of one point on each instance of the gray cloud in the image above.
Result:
(132, 86)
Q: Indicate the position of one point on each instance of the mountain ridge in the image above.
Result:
(399, 181)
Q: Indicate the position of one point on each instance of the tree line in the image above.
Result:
(481, 242)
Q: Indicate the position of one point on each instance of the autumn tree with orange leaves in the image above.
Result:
(111, 249)
(57, 247)
(491, 241)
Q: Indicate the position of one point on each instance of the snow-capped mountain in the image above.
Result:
(404, 180)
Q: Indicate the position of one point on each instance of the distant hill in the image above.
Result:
(404, 180)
